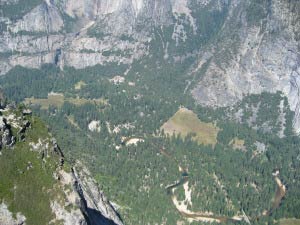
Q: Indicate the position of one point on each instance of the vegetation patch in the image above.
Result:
(186, 122)
(289, 222)
(26, 180)
(58, 100)
(79, 85)
(83, 101)
(72, 121)
(238, 144)
(54, 100)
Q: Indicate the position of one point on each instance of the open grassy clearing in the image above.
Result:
(58, 100)
(186, 122)
(55, 100)
(79, 85)
(238, 144)
(72, 121)
(289, 221)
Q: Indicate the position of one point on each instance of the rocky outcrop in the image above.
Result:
(84, 203)
(97, 209)
(6, 137)
(88, 204)
(94, 126)
(7, 218)
(75, 197)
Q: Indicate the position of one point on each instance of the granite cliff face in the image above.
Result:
(262, 54)
(78, 33)
(92, 206)
(255, 47)
(56, 32)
